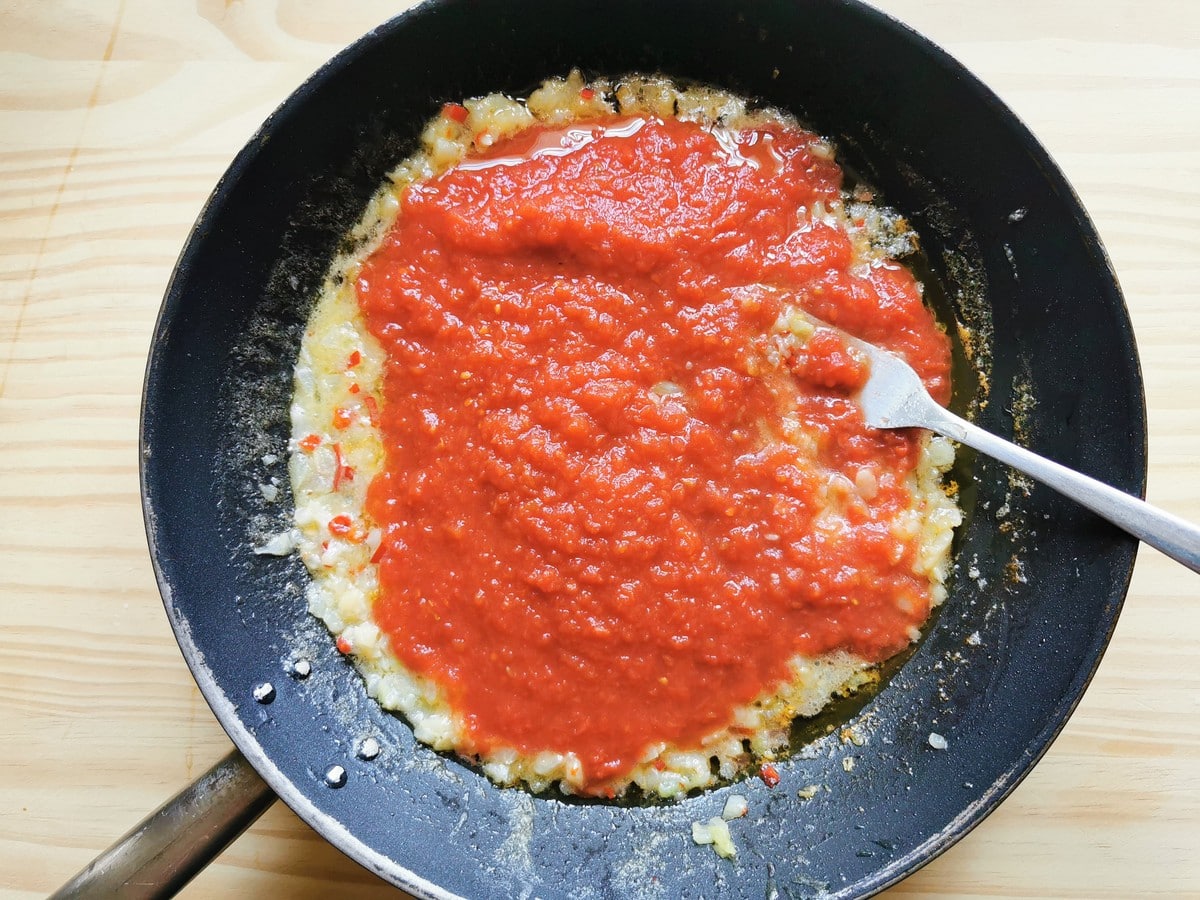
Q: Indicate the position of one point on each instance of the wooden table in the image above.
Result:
(116, 119)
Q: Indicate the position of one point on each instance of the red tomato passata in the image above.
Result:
(594, 536)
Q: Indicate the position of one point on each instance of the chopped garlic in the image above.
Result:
(278, 544)
(715, 832)
(735, 807)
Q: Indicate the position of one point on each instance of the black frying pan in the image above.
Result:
(1011, 253)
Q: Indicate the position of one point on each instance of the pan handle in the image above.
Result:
(171, 845)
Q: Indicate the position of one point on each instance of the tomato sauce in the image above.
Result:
(596, 536)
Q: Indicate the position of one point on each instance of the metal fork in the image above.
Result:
(894, 397)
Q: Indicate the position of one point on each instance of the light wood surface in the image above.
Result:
(116, 119)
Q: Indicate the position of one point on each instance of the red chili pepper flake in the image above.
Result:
(769, 774)
(309, 442)
(342, 417)
(354, 388)
(455, 112)
(344, 646)
(341, 525)
(341, 471)
(372, 407)
(353, 360)
(587, 94)
(378, 554)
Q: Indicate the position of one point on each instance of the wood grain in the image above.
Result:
(116, 119)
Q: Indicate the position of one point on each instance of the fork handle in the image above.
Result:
(1175, 537)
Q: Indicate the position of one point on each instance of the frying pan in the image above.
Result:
(1037, 584)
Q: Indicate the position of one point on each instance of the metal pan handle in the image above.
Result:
(171, 845)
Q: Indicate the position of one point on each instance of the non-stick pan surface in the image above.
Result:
(1038, 582)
